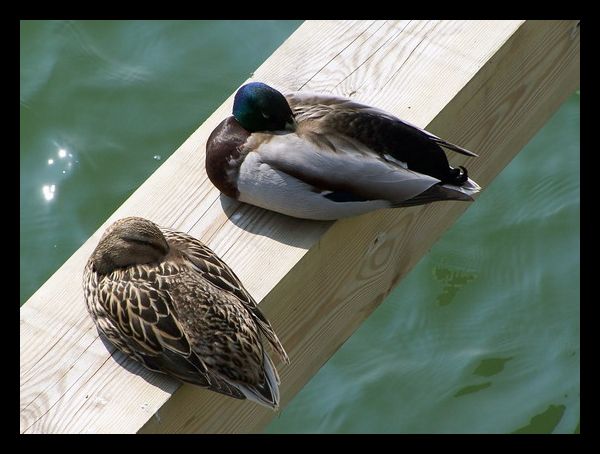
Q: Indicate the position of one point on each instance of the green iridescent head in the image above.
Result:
(258, 107)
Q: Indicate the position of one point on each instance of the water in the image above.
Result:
(119, 97)
(482, 335)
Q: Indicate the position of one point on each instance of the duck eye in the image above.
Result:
(267, 116)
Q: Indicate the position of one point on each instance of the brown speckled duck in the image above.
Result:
(318, 156)
(166, 300)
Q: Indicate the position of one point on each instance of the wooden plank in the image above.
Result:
(488, 85)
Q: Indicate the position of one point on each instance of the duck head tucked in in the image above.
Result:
(166, 300)
(258, 107)
(129, 241)
(324, 157)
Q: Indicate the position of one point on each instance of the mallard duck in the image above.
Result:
(166, 300)
(324, 157)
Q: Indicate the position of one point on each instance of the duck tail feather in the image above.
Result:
(453, 147)
(268, 393)
(440, 192)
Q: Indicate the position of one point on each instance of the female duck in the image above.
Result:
(324, 157)
(166, 300)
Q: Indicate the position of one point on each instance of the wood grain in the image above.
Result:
(487, 85)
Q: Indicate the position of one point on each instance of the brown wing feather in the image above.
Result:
(381, 131)
(143, 326)
(219, 274)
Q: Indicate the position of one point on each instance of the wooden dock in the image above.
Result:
(486, 85)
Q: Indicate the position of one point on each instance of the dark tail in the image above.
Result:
(457, 176)
(453, 147)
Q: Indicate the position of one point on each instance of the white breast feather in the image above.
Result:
(261, 183)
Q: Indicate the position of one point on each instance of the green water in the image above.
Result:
(483, 334)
